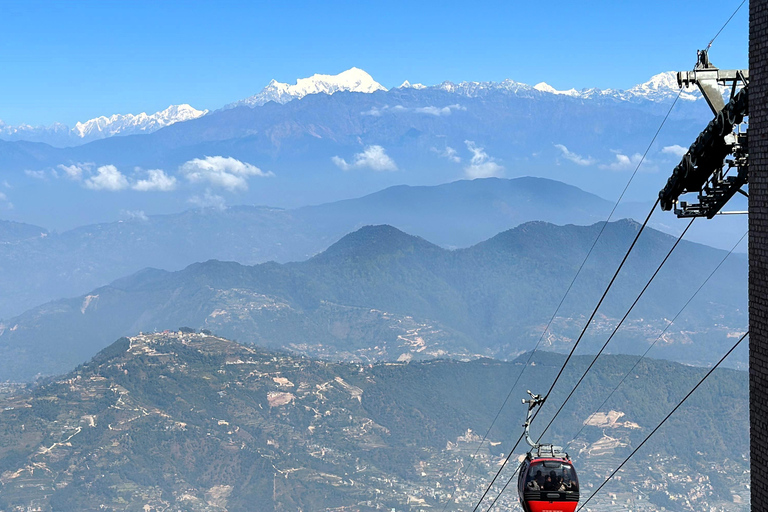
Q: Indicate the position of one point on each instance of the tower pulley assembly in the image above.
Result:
(705, 168)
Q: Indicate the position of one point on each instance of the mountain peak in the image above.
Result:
(352, 80)
(662, 85)
(373, 241)
(545, 87)
(408, 85)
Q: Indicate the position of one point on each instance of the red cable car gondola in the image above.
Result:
(547, 480)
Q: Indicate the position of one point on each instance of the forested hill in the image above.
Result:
(381, 294)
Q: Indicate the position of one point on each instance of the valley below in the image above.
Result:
(183, 420)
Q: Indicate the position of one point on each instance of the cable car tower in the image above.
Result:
(705, 169)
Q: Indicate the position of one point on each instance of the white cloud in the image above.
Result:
(341, 163)
(4, 202)
(437, 111)
(134, 215)
(624, 162)
(481, 165)
(107, 177)
(675, 150)
(6, 184)
(449, 153)
(374, 111)
(38, 175)
(429, 109)
(573, 157)
(219, 171)
(156, 180)
(75, 171)
(374, 157)
(208, 200)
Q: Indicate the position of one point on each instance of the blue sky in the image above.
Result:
(72, 61)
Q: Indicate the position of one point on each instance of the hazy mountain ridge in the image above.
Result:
(352, 300)
(224, 426)
(456, 214)
(15, 232)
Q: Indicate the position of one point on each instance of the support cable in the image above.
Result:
(615, 330)
(560, 304)
(662, 333)
(576, 344)
(664, 420)
(642, 159)
(602, 298)
(726, 23)
(663, 122)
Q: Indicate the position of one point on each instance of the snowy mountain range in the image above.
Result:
(117, 124)
(101, 127)
(660, 88)
(352, 80)
(325, 147)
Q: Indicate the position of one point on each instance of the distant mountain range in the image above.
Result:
(381, 294)
(38, 266)
(101, 127)
(188, 421)
(321, 147)
(660, 87)
(351, 80)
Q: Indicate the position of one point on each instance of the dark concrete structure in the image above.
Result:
(758, 252)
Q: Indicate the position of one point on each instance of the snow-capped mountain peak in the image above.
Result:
(124, 124)
(659, 88)
(101, 127)
(352, 80)
(662, 84)
(409, 85)
(545, 87)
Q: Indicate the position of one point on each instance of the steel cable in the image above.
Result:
(662, 333)
(616, 329)
(575, 345)
(642, 159)
(664, 420)
(613, 333)
(561, 302)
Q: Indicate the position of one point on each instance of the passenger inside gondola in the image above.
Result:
(535, 482)
(560, 479)
(550, 482)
